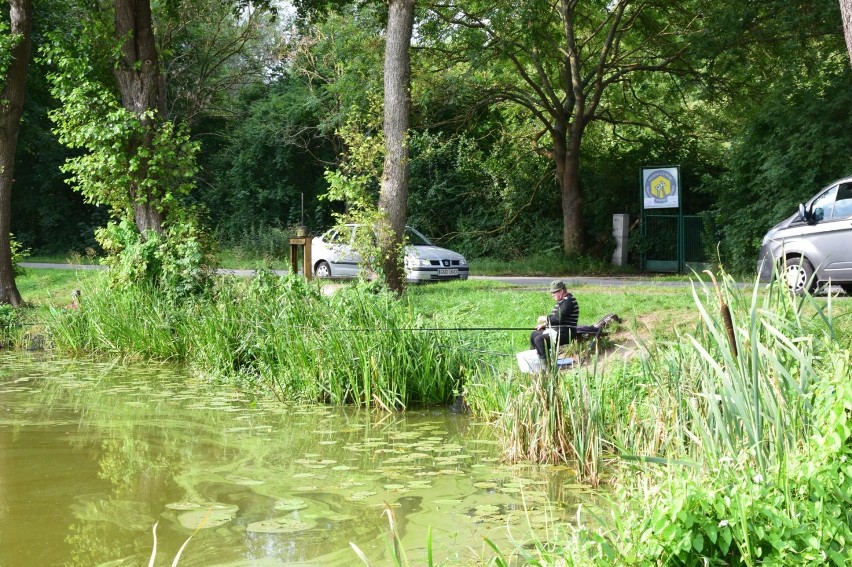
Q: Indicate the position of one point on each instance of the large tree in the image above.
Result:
(570, 63)
(138, 76)
(393, 198)
(11, 105)
(846, 12)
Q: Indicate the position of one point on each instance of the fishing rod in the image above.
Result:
(392, 329)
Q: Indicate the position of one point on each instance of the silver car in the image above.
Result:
(814, 245)
(334, 256)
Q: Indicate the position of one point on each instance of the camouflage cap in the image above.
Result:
(556, 285)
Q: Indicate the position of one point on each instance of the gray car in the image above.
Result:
(334, 255)
(814, 245)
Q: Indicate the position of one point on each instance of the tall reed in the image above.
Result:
(534, 426)
(360, 345)
(754, 431)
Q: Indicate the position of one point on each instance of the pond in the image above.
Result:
(93, 454)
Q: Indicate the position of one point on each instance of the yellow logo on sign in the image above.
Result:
(660, 187)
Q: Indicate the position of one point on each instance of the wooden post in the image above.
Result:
(302, 242)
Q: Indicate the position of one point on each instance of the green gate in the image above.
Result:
(672, 243)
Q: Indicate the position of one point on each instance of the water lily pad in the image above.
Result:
(394, 486)
(361, 495)
(447, 502)
(485, 484)
(291, 504)
(243, 481)
(284, 525)
(405, 435)
(185, 505)
(212, 517)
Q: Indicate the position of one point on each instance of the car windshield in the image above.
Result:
(415, 238)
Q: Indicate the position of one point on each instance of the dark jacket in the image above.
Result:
(565, 313)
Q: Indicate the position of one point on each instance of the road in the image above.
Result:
(520, 281)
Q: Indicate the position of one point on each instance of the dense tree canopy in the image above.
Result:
(528, 122)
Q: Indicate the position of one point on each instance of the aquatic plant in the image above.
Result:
(394, 544)
(282, 334)
(182, 547)
(534, 426)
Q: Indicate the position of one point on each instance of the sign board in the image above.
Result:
(660, 188)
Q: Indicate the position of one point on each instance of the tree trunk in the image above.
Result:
(11, 105)
(394, 191)
(566, 155)
(138, 76)
(846, 12)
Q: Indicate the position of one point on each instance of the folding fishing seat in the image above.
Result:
(589, 336)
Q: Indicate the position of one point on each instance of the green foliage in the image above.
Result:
(7, 43)
(255, 177)
(756, 445)
(9, 322)
(793, 145)
(127, 161)
(175, 261)
(92, 119)
(483, 196)
(19, 254)
(356, 183)
(795, 511)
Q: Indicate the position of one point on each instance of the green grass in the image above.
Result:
(46, 287)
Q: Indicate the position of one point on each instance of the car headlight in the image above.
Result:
(768, 237)
(415, 262)
(462, 262)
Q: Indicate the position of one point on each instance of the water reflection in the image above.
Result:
(92, 454)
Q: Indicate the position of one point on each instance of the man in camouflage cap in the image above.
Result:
(562, 322)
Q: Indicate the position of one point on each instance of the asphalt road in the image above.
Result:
(520, 281)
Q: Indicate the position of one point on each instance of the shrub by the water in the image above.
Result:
(359, 345)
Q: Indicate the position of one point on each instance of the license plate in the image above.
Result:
(448, 272)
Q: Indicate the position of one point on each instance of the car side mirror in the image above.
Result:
(805, 214)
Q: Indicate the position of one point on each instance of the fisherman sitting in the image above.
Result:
(560, 323)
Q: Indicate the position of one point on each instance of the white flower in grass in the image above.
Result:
(723, 524)
(757, 479)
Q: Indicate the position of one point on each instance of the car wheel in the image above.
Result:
(798, 275)
(846, 288)
(322, 270)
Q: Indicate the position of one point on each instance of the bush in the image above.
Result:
(175, 261)
(19, 254)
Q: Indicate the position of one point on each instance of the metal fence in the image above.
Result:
(672, 243)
